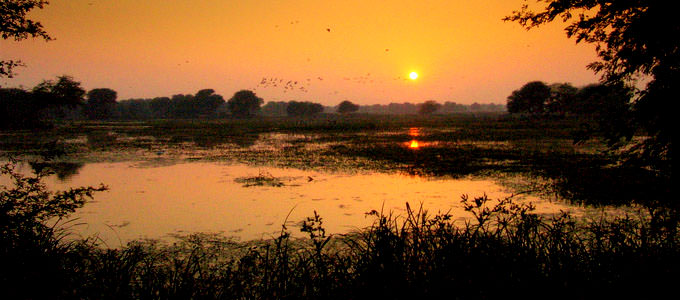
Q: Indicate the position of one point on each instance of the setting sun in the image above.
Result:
(413, 75)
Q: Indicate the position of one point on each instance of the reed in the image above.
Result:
(506, 250)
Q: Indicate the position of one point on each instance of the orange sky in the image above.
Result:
(361, 51)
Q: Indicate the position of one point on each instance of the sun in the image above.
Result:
(413, 75)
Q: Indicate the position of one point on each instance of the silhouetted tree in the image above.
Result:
(303, 109)
(531, 98)
(161, 107)
(100, 103)
(244, 104)
(347, 107)
(18, 109)
(632, 38)
(57, 98)
(137, 109)
(451, 107)
(15, 25)
(605, 111)
(182, 106)
(402, 108)
(429, 107)
(64, 92)
(275, 108)
(207, 102)
(562, 99)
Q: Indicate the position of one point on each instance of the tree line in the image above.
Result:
(603, 109)
(430, 107)
(65, 98)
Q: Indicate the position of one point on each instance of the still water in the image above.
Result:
(153, 200)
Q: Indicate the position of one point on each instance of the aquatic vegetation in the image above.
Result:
(262, 179)
(506, 248)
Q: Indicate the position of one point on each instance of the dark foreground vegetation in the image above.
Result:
(506, 252)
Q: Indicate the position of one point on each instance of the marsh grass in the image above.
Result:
(504, 250)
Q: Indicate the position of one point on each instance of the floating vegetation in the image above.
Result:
(262, 179)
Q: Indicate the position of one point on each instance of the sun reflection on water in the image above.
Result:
(414, 131)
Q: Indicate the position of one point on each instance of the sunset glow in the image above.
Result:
(362, 51)
(414, 144)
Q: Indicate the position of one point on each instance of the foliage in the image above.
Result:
(139, 109)
(206, 102)
(29, 203)
(64, 92)
(32, 250)
(100, 103)
(275, 108)
(603, 109)
(346, 107)
(48, 99)
(244, 104)
(429, 107)
(15, 24)
(531, 98)
(18, 109)
(504, 248)
(562, 99)
(633, 39)
(303, 109)
(606, 112)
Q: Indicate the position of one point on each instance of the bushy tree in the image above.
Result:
(100, 103)
(347, 107)
(605, 110)
(244, 104)
(207, 102)
(531, 98)
(18, 109)
(137, 109)
(634, 39)
(161, 107)
(65, 91)
(303, 109)
(562, 99)
(275, 108)
(429, 107)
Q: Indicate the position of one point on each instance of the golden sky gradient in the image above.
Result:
(362, 51)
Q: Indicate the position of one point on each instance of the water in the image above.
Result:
(153, 200)
(164, 194)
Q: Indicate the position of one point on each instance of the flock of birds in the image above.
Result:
(297, 85)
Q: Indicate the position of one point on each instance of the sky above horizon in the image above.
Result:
(320, 51)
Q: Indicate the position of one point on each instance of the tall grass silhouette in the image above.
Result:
(504, 250)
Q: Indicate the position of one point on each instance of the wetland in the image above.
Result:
(246, 178)
(260, 207)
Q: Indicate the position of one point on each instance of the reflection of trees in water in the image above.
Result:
(63, 170)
